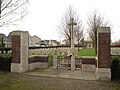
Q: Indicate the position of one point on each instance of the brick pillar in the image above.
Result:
(103, 63)
(19, 51)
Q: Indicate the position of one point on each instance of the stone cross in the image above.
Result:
(71, 24)
(72, 50)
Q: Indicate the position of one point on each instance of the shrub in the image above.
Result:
(5, 62)
(115, 69)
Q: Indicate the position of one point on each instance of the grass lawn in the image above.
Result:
(11, 81)
(87, 52)
(8, 82)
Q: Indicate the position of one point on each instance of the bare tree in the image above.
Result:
(79, 34)
(94, 21)
(12, 11)
(64, 28)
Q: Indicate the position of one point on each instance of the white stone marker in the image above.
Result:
(55, 64)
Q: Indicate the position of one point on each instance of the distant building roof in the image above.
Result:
(55, 41)
(10, 37)
(3, 36)
(35, 38)
(118, 44)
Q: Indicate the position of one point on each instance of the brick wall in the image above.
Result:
(15, 48)
(38, 62)
(104, 50)
(88, 61)
(38, 59)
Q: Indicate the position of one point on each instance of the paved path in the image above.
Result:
(63, 73)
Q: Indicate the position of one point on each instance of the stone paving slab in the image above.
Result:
(60, 73)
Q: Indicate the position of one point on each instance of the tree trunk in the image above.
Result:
(96, 46)
(0, 8)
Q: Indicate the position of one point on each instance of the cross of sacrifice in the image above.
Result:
(72, 31)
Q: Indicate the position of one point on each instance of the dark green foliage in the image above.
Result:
(2, 44)
(5, 62)
(115, 57)
(115, 69)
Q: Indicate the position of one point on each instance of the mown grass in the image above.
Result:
(87, 52)
(110, 85)
(10, 81)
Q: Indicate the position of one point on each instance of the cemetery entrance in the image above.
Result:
(64, 62)
(20, 55)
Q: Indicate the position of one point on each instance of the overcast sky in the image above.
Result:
(45, 16)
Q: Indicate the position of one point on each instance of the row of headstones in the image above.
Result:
(115, 50)
(61, 51)
(58, 51)
(40, 51)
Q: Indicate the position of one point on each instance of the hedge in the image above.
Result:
(5, 62)
(115, 69)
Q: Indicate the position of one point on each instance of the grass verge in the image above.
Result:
(87, 52)
(8, 82)
(11, 81)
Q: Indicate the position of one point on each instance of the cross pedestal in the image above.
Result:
(72, 50)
